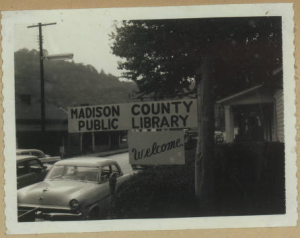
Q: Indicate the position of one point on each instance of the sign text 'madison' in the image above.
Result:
(106, 114)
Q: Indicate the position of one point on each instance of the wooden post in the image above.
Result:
(80, 141)
(109, 140)
(62, 148)
(229, 124)
(93, 142)
(119, 139)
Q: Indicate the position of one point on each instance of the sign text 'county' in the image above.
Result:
(142, 115)
(168, 114)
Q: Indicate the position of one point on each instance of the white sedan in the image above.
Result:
(77, 188)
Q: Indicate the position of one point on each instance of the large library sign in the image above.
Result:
(161, 147)
(175, 114)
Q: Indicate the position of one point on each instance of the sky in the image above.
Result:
(89, 42)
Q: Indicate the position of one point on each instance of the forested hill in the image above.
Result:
(68, 83)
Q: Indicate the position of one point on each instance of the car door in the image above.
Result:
(39, 155)
(104, 194)
(120, 177)
(24, 176)
(36, 167)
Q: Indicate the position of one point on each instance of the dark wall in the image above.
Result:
(50, 143)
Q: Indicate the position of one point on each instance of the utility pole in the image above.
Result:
(43, 121)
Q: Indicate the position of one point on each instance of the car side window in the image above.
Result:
(23, 153)
(57, 172)
(37, 154)
(22, 168)
(34, 164)
(105, 173)
(116, 170)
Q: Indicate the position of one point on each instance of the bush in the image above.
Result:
(252, 176)
(244, 161)
(156, 192)
(249, 179)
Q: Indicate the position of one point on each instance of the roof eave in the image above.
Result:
(231, 97)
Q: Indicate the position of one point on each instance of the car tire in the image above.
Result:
(94, 214)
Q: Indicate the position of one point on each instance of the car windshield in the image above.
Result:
(71, 172)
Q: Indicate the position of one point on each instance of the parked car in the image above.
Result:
(219, 138)
(30, 170)
(137, 167)
(190, 139)
(45, 159)
(76, 188)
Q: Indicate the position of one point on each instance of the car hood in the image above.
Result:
(56, 192)
(51, 159)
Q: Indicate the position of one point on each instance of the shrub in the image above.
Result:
(249, 179)
(156, 191)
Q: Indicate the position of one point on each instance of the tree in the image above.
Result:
(229, 54)
(163, 55)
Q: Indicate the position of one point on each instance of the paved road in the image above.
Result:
(123, 160)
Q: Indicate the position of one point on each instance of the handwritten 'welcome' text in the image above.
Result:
(156, 149)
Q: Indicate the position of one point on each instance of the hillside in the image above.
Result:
(67, 83)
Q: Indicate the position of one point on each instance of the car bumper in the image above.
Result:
(56, 216)
(47, 213)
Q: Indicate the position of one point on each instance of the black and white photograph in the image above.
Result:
(158, 118)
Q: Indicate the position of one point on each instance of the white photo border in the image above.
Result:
(11, 18)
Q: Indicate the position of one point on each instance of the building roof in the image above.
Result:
(254, 95)
(236, 95)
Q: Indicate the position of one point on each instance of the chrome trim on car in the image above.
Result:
(26, 212)
(56, 214)
(44, 206)
(63, 214)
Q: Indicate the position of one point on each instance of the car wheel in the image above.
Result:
(93, 215)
